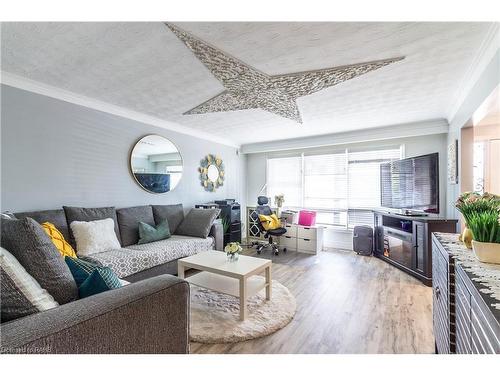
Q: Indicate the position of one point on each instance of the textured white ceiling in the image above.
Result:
(144, 67)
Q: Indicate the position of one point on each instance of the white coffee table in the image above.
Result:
(234, 278)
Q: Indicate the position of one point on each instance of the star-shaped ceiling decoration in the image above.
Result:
(249, 88)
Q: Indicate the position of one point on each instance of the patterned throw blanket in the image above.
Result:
(136, 258)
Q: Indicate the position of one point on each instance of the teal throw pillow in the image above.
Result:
(80, 269)
(148, 233)
(100, 280)
(91, 278)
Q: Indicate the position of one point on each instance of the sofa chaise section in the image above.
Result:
(150, 316)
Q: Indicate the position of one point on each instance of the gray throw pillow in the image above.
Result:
(28, 242)
(128, 222)
(174, 213)
(198, 222)
(90, 214)
(56, 217)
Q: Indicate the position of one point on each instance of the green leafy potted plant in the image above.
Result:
(226, 224)
(482, 214)
(467, 204)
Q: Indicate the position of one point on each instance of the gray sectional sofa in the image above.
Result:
(150, 315)
(135, 262)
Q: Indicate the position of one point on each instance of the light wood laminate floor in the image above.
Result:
(345, 304)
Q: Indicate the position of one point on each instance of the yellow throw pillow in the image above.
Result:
(270, 221)
(58, 239)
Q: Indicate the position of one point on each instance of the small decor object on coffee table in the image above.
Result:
(233, 250)
(482, 215)
(239, 279)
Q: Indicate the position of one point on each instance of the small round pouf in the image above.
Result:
(215, 316)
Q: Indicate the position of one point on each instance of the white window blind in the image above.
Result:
(325, 181)
(364, 176)
(284, 176)
(359, 217)
(332, 217)
(342, 187)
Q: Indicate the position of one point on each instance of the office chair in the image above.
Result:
(264, 209)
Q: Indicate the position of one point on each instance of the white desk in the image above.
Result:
(302, 238)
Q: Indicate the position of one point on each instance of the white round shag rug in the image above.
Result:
(215, 316)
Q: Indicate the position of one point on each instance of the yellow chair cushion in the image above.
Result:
(58, 240)
(270, 221)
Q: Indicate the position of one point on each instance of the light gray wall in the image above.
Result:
(487, 82)
(414, 146)
(56, 153)
(395, 131)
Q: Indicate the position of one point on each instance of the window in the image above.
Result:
(364, 172)
(325, 181)
(342, 187)
(284, 176)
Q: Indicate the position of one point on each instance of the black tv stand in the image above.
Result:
(407, 213)
(405, 241)
(413, 214)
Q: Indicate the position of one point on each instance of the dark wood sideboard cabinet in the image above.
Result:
(466, 315)
(405, 241)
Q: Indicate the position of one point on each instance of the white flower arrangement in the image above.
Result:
(279, 200)
(233, 248)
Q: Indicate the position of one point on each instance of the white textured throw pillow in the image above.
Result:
(94, 236)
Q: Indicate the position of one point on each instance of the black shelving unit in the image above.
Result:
(230, 210)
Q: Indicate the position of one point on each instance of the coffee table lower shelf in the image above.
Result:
(239, 279)
(226, 284)
(240, 288)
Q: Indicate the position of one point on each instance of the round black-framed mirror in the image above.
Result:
(156, 164)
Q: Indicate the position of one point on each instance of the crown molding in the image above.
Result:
(36, 87)
(485, 54)
(413, 129)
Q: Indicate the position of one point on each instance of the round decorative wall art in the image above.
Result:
(211, 172)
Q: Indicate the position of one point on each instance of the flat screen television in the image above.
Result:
(411, 185)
